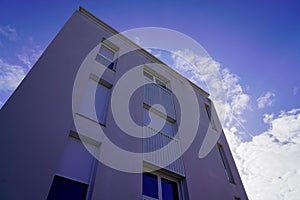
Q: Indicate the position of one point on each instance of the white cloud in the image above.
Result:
(30, 55)
(200, 69)
(270, 163)
(268, 118)
(10, 76)
(155, 52)
(8, 32)
(236, 97)
(265, 100)
(229, 98)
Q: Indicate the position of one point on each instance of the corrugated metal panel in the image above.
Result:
(155, 153)
(155, 94)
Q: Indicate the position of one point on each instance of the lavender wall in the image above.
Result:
(206, 177)
(37, 119)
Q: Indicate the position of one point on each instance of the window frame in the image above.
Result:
(172, 122)
(155, 79)
(152, 77)
(156, 184)
(103, 83)
(163, 174)
(112, 47)
(163, 85)
(210, 117)
(69, 180)
(89, 184)
(226, 163)
(108, 86)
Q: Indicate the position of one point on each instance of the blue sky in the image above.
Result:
(256, 44)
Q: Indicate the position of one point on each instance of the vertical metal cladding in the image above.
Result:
(155, 140)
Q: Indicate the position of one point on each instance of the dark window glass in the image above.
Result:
(150, 185)
(208, 112)
(63, 188)
(169, 190)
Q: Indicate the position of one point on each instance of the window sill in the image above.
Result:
(163, 134)
(90, 119)
(106, 67)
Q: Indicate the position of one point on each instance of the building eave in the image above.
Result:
(143, 51)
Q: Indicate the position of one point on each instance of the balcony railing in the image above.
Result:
(156, 94)
(161, 149)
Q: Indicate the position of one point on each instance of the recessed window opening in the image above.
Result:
(226, 164)
(210, 117)
(107, 54)
(159, 186)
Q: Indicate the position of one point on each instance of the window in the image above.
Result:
(169, 189)
(149, 78)
(154, 121)
(160, 187)
(210, 117)
(157, 92)
(74, 175)
(107, 54)
(150, 185)
(226, 164)
(95, 100)
(160, 125)
(64, 188)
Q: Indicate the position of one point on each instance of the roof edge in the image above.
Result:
(142, 50)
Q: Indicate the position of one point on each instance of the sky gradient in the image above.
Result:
(255, 47)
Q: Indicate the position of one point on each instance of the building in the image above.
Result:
(50, 126)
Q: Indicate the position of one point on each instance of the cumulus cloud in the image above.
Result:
(10, 76)
(269, 163)
(229, 98)
(237, 99)
(8, 32)
(268, 118)
(265, 100)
